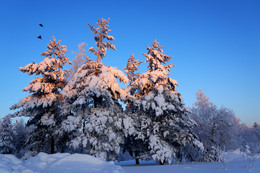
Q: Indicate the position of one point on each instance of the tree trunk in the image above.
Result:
(81, 149)
(136, 159)
(83, 123)
(62, 149)
(95, 102)
(161, 163)
(52, 145)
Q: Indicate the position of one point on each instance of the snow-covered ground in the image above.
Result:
(57, 163)
(231, 167)
(79, 163)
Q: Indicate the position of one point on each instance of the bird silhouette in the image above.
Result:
(39, 37)
(41, 25)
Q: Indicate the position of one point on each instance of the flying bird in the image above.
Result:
(39, 37)
(41, 25)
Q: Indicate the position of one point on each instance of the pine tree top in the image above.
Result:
(156, 58)
(46, 89)
(101, 34)
(131, 67)
(157, 73)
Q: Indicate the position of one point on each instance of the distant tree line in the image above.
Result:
(220, 130)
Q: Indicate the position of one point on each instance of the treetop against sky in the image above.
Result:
(214, 44)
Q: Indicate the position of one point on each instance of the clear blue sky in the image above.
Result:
(215, 44)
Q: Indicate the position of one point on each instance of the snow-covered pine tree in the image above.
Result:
(94, 114)
(44, 104)
(164, 123)
(20, 135)
(6, 137)
(134, 144)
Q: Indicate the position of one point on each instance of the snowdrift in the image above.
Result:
(235, 162)
(58, 163)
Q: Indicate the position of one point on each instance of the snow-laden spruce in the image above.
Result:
(20, 135)
(6, 137)
(95, 119)
(166, 128)
(43, 105)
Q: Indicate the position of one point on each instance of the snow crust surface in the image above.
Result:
(235, 162)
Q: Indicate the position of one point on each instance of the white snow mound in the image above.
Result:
(58, 163)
